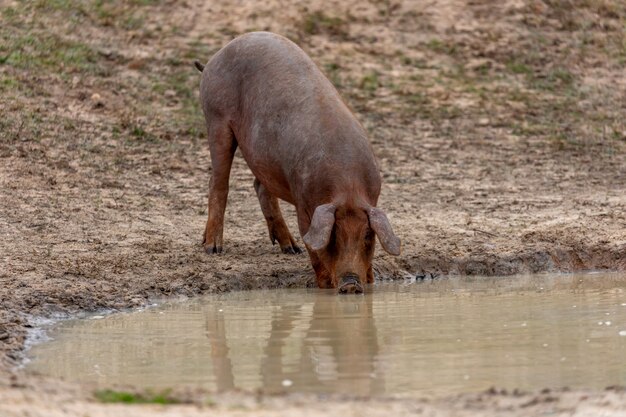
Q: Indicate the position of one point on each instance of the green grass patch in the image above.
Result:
(419, 100)
(8, 83)
(197, 49)
(111, 396)
(442, 47)
(9, 13)
(183, 81)
(332, 71)
(517, 67)
(50, 5)
(141, 134)
(41, 51)
(29, 125)
(124, 14)
(318, 22)
(370, 82)
(552, 80)
(145, 2)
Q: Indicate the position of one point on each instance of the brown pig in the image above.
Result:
(261, 92)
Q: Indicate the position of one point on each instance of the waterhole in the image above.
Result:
(444, 336)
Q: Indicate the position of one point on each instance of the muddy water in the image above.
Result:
(435, 337)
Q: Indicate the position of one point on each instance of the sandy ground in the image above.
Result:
(63, 403)
(498, 124)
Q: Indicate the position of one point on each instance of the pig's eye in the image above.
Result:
(369, 235)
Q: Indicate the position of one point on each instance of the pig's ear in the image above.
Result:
(321, 227)
(380, 223)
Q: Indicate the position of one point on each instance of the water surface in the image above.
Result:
(444, 336)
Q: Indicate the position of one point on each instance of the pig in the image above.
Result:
(263, 94)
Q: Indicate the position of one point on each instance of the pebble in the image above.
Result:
(97, 100)
(287, 382)
(478, 63)
(136, 64)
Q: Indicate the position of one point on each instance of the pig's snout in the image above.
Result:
(350, 284)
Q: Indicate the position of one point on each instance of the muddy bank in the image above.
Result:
(550, 259)
(498, 125)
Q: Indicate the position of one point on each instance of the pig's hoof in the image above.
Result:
(291, 250)
(212, 249)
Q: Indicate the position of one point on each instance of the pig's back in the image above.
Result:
(288, 119)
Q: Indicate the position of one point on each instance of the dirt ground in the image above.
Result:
(45, 401)
(499, 126)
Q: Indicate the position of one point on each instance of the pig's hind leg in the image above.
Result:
(223, 145)
(275, 222)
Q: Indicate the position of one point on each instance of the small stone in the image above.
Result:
(106, 53)
(484, 121)
(622, 333)
(478, 64)
(287, 382)
(136, 64)
(97, 101)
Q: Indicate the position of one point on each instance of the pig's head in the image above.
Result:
(342, 239)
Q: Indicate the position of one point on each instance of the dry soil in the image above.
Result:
(499, 126)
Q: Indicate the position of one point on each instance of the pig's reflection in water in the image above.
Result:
(338, 347)
(220, 359)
